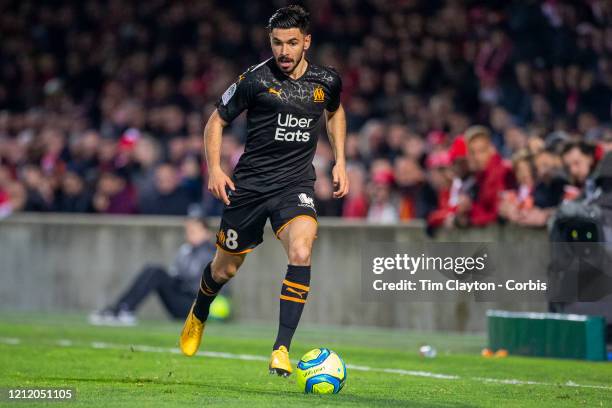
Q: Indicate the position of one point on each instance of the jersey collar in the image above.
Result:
(285, 76)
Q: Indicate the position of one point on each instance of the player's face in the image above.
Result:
(288, 47)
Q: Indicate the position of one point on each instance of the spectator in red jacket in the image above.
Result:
(441, 178)
(461, 183)
(492, 176)
(356, 202)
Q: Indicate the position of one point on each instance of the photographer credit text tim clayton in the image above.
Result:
(457, 265)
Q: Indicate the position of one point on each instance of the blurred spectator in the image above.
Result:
(168, 197)
(17, 198)
(441, 178)
(84, 152)
(547, 192)
(352, 149)
(5, 199)
(416, 197)
(579, 159)
(356, 202)
(72, 195)
(606, 141)
(39, 192)
(382, 209)
(13, 195)
(146, 156)
(514, 202)
(515, 140)
(444, 214)
(492, 177)
(326, 205)
(524, 173)
(550, 181)
(191, 178)
(114, 195)
(176, 285)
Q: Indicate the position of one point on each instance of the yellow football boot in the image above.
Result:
(191, 336)
(279, 362)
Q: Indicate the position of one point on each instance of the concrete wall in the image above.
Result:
(79, 263)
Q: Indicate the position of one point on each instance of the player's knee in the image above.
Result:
(223, 273)
(299, 253)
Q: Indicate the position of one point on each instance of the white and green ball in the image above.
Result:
(321, 371)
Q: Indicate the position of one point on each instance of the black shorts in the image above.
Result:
(243, 221)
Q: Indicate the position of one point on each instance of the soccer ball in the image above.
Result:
(220, 309)
(321, 371)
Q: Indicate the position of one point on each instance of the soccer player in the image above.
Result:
(285, 97)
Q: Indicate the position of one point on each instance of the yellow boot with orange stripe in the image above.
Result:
(280, 363)
(191, 335)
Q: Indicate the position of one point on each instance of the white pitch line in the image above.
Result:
(250, 357)
(568, 383)
(416, 373)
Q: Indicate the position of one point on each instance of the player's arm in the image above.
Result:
(234, 101)
(217, 179)
(336, 131)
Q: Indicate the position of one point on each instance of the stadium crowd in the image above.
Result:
(102, 104)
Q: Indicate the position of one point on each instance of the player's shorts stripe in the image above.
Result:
(292, 299)
(282, 227)
(233, 253)
(296, 285)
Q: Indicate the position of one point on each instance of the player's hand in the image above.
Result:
(217, 180)
(341, 184)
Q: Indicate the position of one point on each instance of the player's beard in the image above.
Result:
(287, 65)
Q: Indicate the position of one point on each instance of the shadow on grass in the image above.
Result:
(245, 391)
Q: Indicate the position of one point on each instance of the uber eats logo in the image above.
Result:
(290, 128)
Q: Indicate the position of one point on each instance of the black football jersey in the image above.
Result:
(283, 117)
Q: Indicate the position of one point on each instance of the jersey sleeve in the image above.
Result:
(236, 98)
(335, 91)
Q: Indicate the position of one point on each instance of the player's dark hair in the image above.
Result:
(293, 16)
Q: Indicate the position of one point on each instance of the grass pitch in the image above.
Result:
(139, 367)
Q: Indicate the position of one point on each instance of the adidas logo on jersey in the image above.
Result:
(287, 132)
